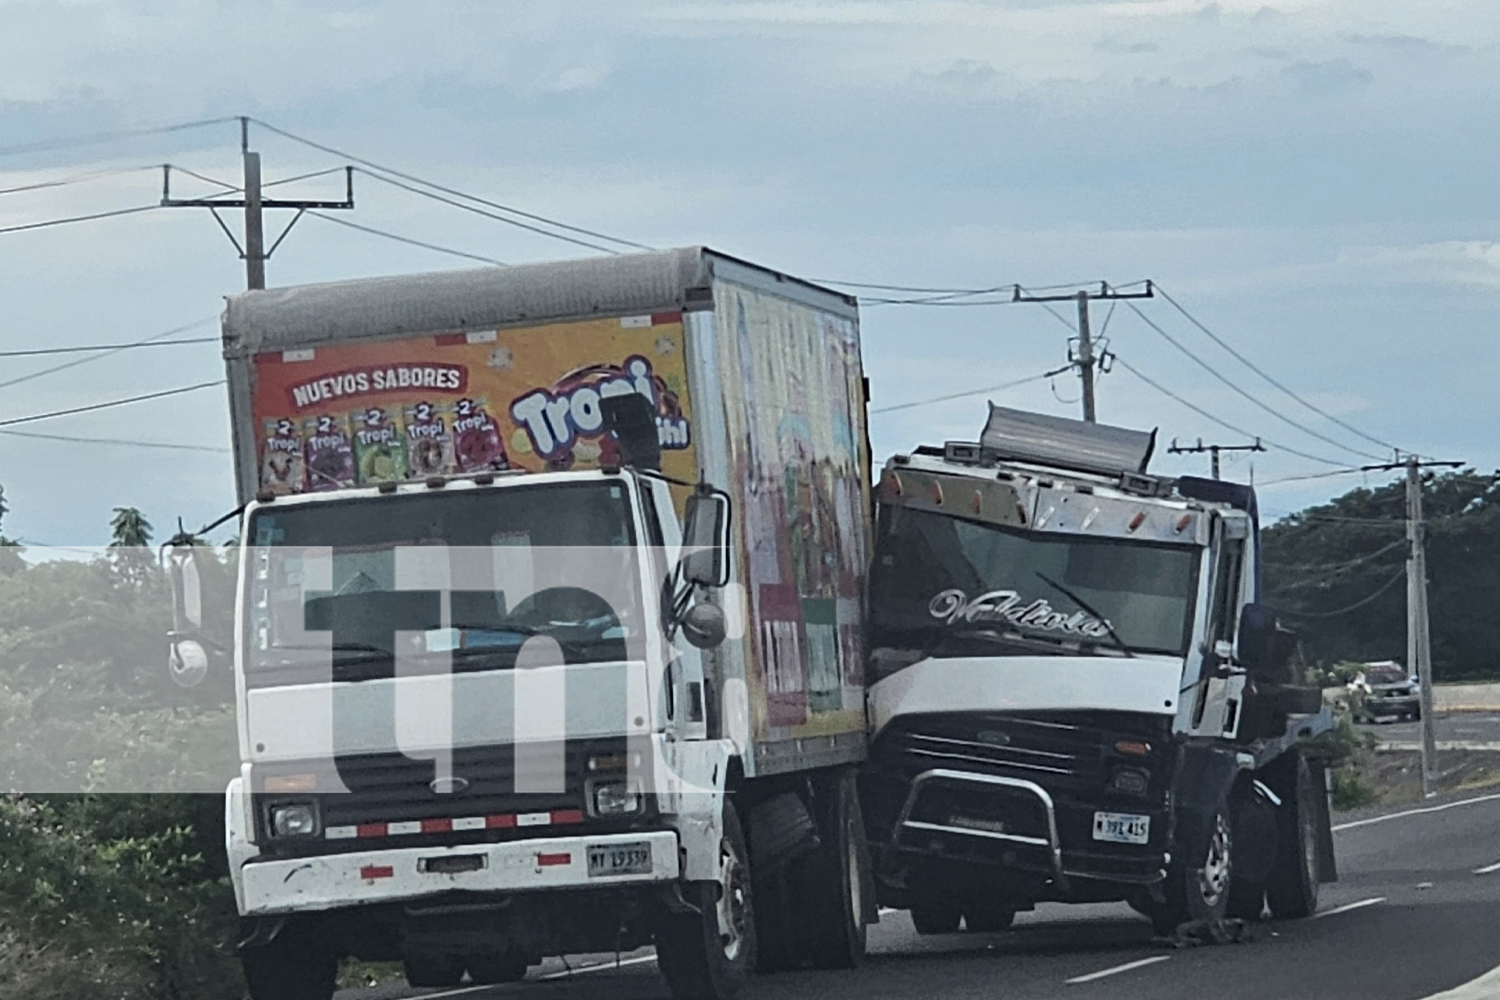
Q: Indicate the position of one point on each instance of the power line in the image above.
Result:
(102, 137)
(1400, 575)
(77, 179)
(106, 353)
(447, 190)
(1230, 383)
(114, 402)
(1222, 423)
(34, 352)
(487, 215)
(1328, 569)
(969, 392)
(77, 218)
(407, 239)
(115, 441)
(1257, 370)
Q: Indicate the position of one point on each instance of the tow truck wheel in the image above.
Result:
(1292, 888)
(1200, 889)
(290, 967)
(708, 955)
(931, 917)
(844, 867)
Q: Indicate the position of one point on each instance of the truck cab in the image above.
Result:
(1074, 692)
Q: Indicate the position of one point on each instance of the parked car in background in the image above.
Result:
(1384, 691)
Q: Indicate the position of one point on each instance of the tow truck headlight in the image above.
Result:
(296, 819)
(616, 798)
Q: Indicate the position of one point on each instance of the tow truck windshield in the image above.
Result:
(484, 571)
(953, 587)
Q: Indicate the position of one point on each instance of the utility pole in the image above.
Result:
(254, 252)
(1213, 451)
(1418, 634)
(1086, 360)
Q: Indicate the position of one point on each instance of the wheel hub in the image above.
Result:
(732, 901)
(1213, 880)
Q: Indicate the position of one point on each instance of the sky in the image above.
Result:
(1312, 180)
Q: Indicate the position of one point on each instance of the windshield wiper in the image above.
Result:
(1085, 606)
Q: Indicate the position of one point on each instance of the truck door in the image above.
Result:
(1216, 711)
(685, 664)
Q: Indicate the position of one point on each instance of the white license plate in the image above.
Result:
(1122, 828)
(620, 859)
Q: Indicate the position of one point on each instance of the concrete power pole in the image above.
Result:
(254, 252)
(1418, 636)
(255, 229)
(1086, 361)
(1214, 450)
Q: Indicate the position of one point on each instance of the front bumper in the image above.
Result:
(359, 878)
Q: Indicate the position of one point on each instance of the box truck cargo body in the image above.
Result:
(549, 632)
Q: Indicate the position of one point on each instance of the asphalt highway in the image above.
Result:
(1416, 913)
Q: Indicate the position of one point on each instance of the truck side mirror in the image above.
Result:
(705, 538)
(631, 418)
(187, 659)
(704, 625)
(1264, 647)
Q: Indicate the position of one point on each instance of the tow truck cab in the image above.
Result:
(1073, 691)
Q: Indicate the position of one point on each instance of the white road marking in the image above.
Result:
(1482, 988)
(1351, 906)
(638, 960)
(455, 993)
(1487, 869)
(1118, 969)
(1414, 812)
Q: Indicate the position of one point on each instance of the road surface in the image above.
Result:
(1465, 727)
(1417, 912)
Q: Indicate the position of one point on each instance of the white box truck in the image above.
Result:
(549, 629)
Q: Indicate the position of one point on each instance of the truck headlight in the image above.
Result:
(615, 798)
(297, 819)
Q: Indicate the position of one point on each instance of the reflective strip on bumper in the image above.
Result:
(330, 881)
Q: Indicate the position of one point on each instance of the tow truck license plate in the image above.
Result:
(1122, 828)
(620, 859)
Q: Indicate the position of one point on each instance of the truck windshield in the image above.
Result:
(949, 587)
(463, 577)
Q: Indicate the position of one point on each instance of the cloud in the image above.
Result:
(1331, 76)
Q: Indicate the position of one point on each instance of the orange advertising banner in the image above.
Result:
(359, 414)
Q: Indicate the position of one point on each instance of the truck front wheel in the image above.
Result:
(1292, 888)
(290, 966)
(709, 954)
(1199, 890)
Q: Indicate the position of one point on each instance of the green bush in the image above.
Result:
(1349, 790)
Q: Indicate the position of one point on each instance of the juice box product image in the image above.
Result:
(477, 438)
(282, 468)
(429, 440)
(329, 451)
(379, 446)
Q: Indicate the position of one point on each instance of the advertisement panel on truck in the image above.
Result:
(358, 414)
(794, 398)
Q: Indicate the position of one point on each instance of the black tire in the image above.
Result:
(988, 917)
(931, 917)
(433, 970)
(1292, 887)
(843, 865)
(500, 967)
(708, 955)
(1199, 889)
(291, 967)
